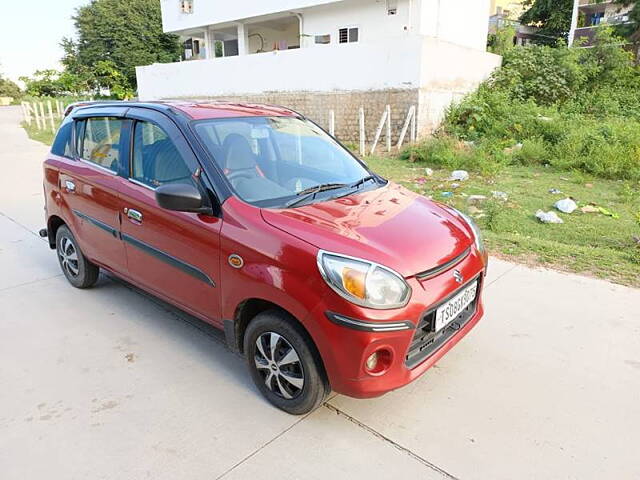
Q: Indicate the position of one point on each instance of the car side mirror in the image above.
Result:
(182, 197)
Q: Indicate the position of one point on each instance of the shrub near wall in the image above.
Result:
(569, 108)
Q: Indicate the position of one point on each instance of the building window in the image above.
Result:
(323, 39)
(186, 6)
(392, 7)
(348, 35)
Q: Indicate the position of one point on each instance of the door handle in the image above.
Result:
(70, 186)
(133, 214)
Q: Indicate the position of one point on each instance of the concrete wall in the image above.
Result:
(356, 66)
(346, 106)
(313, 81)
(448, 73)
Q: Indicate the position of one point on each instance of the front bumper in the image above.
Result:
(345, 348)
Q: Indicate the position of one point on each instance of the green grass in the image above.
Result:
(45, 136)
(587, 243)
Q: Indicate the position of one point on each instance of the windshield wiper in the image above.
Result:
(362, 181)
(312, 191)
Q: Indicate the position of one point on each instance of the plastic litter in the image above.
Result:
(517, 146)
(568, 205)
(589, 209)
(447, 194)
(421, 181)
(554, 191)
(476, 198)
(500, 196)
(548, 217)
(459, 175)
(608, 213)
(455, 185)
(428, 172)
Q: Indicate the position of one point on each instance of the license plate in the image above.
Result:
(453, 307)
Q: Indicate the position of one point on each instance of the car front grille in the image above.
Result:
(426, 341)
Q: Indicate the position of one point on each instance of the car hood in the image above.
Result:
(389, 225)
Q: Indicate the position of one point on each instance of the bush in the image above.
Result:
(576, 109)
(447, 152)
(534, 151)
(609, 149)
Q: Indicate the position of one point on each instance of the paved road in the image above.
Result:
(109, 383)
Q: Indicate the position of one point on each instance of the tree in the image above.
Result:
(9, 88)
(43, 83)
(503, 40)
(631, 30)
(553, 17)
(126, 33)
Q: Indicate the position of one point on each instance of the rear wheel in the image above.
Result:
(284, 364)
(80, 272)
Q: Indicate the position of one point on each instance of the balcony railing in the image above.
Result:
(594, 2)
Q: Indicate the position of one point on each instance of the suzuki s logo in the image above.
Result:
(458, 276)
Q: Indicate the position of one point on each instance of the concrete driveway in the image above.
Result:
(109, 383)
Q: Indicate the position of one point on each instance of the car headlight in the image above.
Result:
(364, 283)
(477, 234)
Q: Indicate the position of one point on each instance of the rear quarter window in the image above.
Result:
(62, 143)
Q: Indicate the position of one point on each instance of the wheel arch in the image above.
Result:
(53, 224)
(247, 310)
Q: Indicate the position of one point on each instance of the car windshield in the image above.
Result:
(282, 161)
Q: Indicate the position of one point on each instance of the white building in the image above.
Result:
(321, 55)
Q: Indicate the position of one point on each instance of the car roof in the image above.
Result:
(200, 110)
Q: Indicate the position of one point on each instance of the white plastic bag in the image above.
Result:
(566, 206)
(548, 217)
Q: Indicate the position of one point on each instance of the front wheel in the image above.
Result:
(80, 272)
(284, 363)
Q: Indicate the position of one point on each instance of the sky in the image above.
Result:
(30, 34)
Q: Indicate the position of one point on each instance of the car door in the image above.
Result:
(174, 254)
(89, 186)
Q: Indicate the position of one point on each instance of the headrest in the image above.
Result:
(238, 154)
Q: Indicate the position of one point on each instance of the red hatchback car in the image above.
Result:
(323, 274)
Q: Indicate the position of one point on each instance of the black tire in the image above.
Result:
(80, 272)
(302, 398)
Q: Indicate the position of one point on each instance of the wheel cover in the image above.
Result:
(68, 256)
(279, 365)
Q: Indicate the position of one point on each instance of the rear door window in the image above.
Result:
(101, 142)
